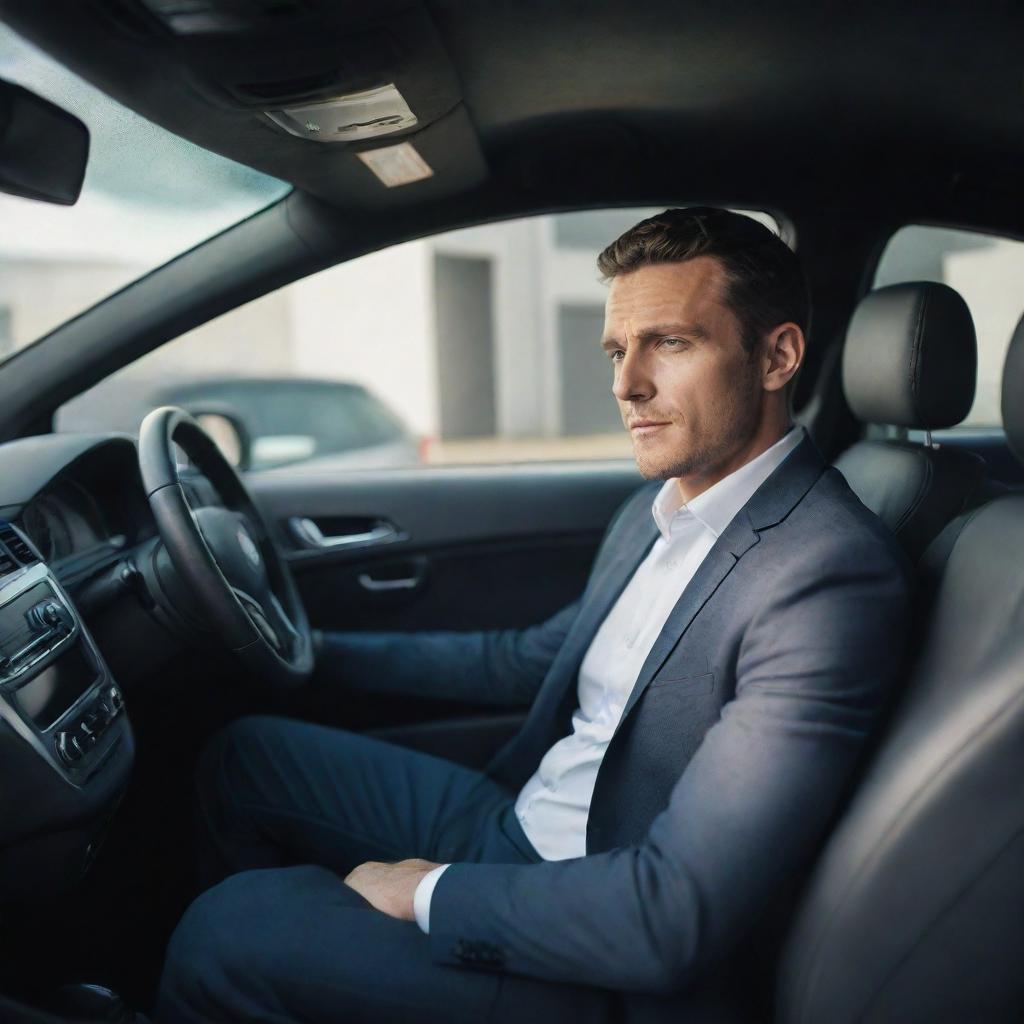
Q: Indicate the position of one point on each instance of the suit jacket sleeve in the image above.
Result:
(502, 667)
(749, 809)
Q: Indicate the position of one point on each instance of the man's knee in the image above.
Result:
(235, 952)
(205, 951)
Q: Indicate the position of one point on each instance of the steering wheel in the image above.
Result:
(226, 556)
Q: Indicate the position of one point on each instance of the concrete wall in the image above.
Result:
(371, 321)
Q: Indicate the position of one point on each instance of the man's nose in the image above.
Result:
(632, 382)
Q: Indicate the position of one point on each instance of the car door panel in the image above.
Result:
(475, 586)
(466, 549)
(442, 503)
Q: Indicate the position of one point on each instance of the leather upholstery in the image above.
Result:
(914, 911)
(904, 347)
(913, 489)
(1013, 392)
(910, 357)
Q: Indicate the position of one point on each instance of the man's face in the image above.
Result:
(680, 366)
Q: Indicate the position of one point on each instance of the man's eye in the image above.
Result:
(674, 342)
(615, 356)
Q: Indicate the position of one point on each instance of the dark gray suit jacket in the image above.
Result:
(734, 750)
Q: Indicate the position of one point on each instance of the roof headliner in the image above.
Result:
(888, 112)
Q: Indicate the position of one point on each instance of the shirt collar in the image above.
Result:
(716, 507)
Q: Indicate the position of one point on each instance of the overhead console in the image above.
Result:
(66, 746)
(357, 104)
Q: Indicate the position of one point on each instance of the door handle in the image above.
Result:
(309, 535)
(367, 582)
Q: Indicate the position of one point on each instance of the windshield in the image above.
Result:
(148, 196)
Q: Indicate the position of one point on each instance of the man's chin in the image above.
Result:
(662, 469)
(666, 462)
(654, 473)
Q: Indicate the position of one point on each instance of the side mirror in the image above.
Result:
(43, 149)
(228, 433)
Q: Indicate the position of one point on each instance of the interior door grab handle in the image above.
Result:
(310, 535)
(367, 582)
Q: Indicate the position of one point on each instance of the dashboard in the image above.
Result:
(68, 519)
(91, 614)
(86, 504)
(72, 508)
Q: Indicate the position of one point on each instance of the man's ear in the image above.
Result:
(783, 353)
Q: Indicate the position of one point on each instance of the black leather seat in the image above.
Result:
(910, 360)
(915, 912)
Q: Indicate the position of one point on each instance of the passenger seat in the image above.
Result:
(910, 360)
(914, 911)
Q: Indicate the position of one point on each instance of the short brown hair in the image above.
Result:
(766, 284)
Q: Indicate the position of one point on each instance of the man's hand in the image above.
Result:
(390, 887)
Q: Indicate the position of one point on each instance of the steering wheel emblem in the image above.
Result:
(249, 549)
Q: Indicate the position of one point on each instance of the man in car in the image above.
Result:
(695, 718)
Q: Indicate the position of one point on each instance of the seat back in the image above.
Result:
(910, 360)
(915, 912)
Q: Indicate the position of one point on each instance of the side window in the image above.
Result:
(988, 272)
(476, 346)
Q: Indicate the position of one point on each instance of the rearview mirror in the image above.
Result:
(43, 149)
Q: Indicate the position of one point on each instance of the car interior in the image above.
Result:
(193, 592)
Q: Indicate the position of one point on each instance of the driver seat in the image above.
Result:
(914, 911)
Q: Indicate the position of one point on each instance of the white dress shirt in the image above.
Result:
(554, 805)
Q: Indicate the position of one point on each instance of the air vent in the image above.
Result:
(15, 546)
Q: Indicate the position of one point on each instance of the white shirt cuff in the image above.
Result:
(421, 898)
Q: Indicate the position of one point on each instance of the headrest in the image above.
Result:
(910, 357)
(1013, 392)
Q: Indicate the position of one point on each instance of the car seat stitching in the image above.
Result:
(915, 504)
(917, 358)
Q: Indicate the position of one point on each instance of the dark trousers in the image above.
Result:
(286, 809)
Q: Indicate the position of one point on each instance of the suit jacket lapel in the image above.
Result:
(738, 537)
(557, 698)
(770, 503)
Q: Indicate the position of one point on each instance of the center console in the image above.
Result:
(55, 691)
(65, 742)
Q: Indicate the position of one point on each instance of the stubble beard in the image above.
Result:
(693, 462)
(740, 424)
